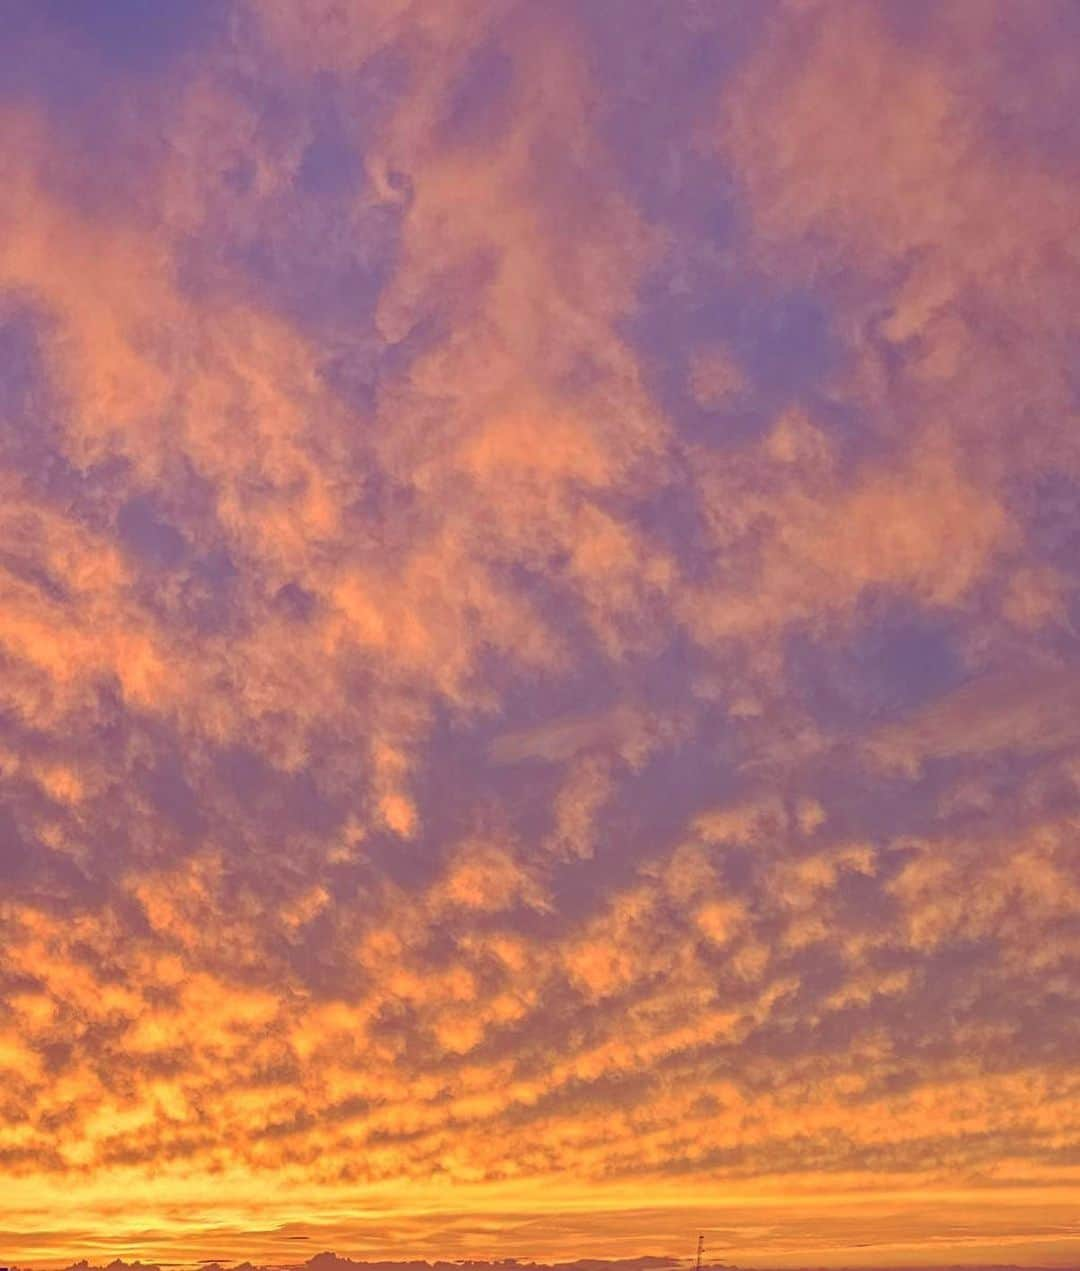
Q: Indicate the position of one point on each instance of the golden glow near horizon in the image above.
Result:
(539, 652)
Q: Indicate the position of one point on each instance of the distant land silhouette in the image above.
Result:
(328, 1261)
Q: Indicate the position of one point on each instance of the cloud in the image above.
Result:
(560, 740)
(538, 568)
(1020, 712)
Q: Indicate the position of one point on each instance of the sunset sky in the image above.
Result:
(540, 631)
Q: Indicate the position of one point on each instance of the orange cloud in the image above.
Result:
(494, 760)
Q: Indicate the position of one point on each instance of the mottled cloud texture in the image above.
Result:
(539, 654)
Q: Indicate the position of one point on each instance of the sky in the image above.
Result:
(539, 652)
